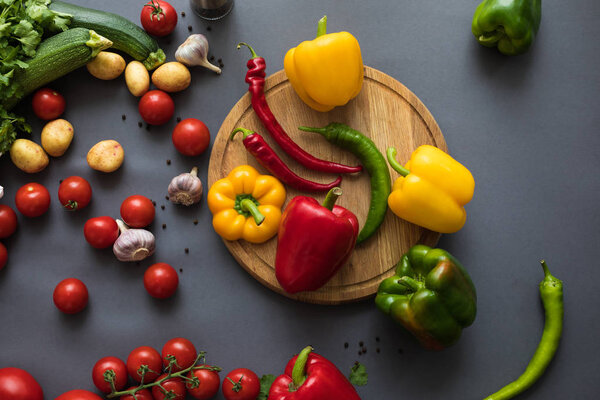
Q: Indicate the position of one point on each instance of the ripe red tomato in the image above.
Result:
(137, 211)
(78, 394)
(3, 256)
(18, 384)
(143, 394)
(74, 193)
(144, 355)
(156, 107)
(101, 232)
(158, 18)
(161, 281)
(32, 199)
(208, 386)
(8, 221)
(119, 377)
(70, 296)
(191, 137)
(48, 104)
(182, 349)
(241, 384)
(175, 385)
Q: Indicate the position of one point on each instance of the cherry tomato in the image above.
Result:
(70, 296)
(241, 384)
(3, 256)
(191, 137)
(208, 386)
(74, 193)
(48, 104)
(156, 107)
(143, 394)
(78, 394)
(144, 355)
(18, 384)
(109, 363)
(160, 281)
(158, 17)
(32, 200)
(175, 385)
(137, 211)
(101, 232)
(8, 221)
(182, 349)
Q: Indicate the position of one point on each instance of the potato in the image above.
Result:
(28, 156)
(172, 77)
(106, 65)
(137, 78)
(106, 156)
(56, 137)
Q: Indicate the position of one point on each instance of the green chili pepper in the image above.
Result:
(551, 292)
(372, 160)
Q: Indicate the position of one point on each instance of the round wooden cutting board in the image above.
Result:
(387, 112)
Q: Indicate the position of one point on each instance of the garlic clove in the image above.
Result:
(133, 244)
(186, 188)
(194, 51)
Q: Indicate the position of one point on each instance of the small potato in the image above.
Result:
(106, 156)
(137, 78)
(56, 137)
(172, 77)
(106, 65)
(28, 156)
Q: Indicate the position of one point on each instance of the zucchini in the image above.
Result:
(57, 56)
(125, 35)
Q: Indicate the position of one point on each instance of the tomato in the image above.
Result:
(78, 394)
(74, 193)
(144, 355)
(161, 281)
(241, 384)
(109, 363)
(191, 137)
(8, 221)
(182, 349)
(137, 211)
(3, 256)
(156, 107)
(158, 17)
(32, 200)
(143, 394)
(175, 385)
(18, 384)
(70, 296)
(208, 386)
(101, 232)
(48, 104)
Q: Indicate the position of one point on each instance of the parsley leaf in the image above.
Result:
(358, 374)
(265, 385)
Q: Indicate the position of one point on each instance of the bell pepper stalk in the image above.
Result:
(314, 242)
(432, 189)
(310, 376)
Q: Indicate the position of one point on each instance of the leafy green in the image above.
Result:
(358, 374)
(265, 385)
(9, 124)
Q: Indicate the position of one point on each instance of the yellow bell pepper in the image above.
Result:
(327, 71)
(246, 205)
(432, 190)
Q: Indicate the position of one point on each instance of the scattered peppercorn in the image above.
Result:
(360, 353)
(178, 119)
(166, 197)
(153, 203)
(361, 344)
(377, 339)
(162, 207)
(346, 345)
(189, 28)
(400, 351)
(195, 222)
(364, 350)
(60, 181)
(212, 58)
(123, 117)
(168, 162)
(187, 250)
(377, 350)
(183, 14)
(138, 263)
(164, 226)
(140, 124)
(220, 60)
(208, 28)
(147, 127)
(180, 269)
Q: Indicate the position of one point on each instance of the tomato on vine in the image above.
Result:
(78, 394)
(18, 384)
(144, 358)
(184, 352)
(32, 200)
(175, 386)
(8, 221)
(143, 394)
(109, 367)
(208, 383)
(241, 384)
(74, 193)
(70, 296)
(158, 17)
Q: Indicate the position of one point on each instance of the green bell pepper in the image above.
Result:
(431, 295)
(509, 24)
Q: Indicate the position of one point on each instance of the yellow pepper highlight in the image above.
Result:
(432, 191)
(326, 72)
(246, 205)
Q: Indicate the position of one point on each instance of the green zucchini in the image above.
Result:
(57, 56)
(125, 35)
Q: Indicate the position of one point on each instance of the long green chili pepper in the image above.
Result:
(372, 160)
(551, 292)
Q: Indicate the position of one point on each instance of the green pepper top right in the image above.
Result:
(511, 25)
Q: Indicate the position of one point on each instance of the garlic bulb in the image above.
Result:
(194, 51)
(133, 244)
(186, 188)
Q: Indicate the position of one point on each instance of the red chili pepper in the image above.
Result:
(255, 77)
(309, 376)
(265, 155)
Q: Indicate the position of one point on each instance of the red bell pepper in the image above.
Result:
(314, 242)
(309, 376)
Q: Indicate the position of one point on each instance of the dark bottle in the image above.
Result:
(211, 9)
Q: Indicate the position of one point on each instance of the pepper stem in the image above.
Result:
(194, 171)
(312, 129)
(545, 266)
(298, 372)
(332, 197)
(247, 132)
(410, 283)
(391, 157)
(322, 26)
(240, 44)
(249, 206)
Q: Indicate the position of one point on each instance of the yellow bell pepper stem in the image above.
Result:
(322, 26)
(247, 205)
(396, 166)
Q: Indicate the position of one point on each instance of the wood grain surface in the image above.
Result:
(387, 112)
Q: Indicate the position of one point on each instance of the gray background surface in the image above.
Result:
(527, 128)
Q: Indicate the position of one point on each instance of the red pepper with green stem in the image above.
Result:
(255, 77)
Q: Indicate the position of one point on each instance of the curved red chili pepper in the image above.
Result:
(255, 77)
